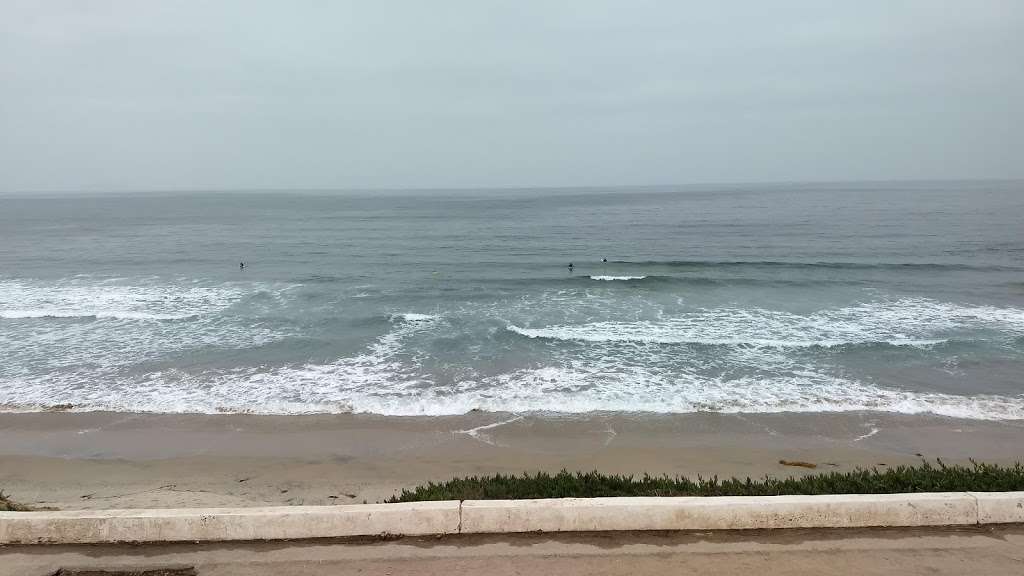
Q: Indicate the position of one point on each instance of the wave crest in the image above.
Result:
(101, 299)
(923, 266)
(907, 322)
(107, 314)
(611, 278)
(413, 317)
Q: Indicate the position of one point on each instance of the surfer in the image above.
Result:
(241, 265)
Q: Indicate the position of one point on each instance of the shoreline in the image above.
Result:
(92, 460)
(344, 411)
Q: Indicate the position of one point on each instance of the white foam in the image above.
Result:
(610, 278)
(101, 299)
(124, 324)
(906, 322)
(661, 334)
(365, 386)
(312, 388)
(380, 381)
(413, 317)
(620, 366)
(113, 314)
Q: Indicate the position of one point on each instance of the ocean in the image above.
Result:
(896, 297)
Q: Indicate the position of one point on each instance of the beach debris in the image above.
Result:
(799, 463)
(872, 432)
(476, 433)
(176, 571)
(8, 505)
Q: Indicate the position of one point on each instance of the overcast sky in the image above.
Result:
(98, 94)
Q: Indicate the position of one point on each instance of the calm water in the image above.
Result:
(896, 297)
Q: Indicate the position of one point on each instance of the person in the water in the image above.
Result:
(570, 266)
(604, 260)
(241, 265)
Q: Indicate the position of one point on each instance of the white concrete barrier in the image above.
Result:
(220, 524)
(498, 516)
(718, 513)
(1000, 507)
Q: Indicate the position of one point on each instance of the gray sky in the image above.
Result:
(99, 94)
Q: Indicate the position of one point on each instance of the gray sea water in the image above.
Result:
(748, 298)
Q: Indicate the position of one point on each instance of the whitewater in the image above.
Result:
(753, 299)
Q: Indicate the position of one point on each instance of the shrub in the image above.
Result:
(898, 479)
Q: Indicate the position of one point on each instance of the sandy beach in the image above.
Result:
(116, 460)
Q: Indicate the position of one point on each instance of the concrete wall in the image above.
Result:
(499, 516)
(720, 513)
(272, 523)
(1000, 507)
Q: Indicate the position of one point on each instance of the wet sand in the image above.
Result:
(113, 460)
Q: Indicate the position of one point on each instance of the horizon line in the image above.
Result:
(301, 189)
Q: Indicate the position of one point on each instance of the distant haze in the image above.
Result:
(130, 95)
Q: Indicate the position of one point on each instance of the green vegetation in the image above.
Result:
(6, 505)
(899, 479)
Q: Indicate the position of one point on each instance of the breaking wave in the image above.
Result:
(111, 345)
(388, 378)
(906, 322)
(83, 327)
(609, 278)
(923, 266)
(370, 383)
(89, 299)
